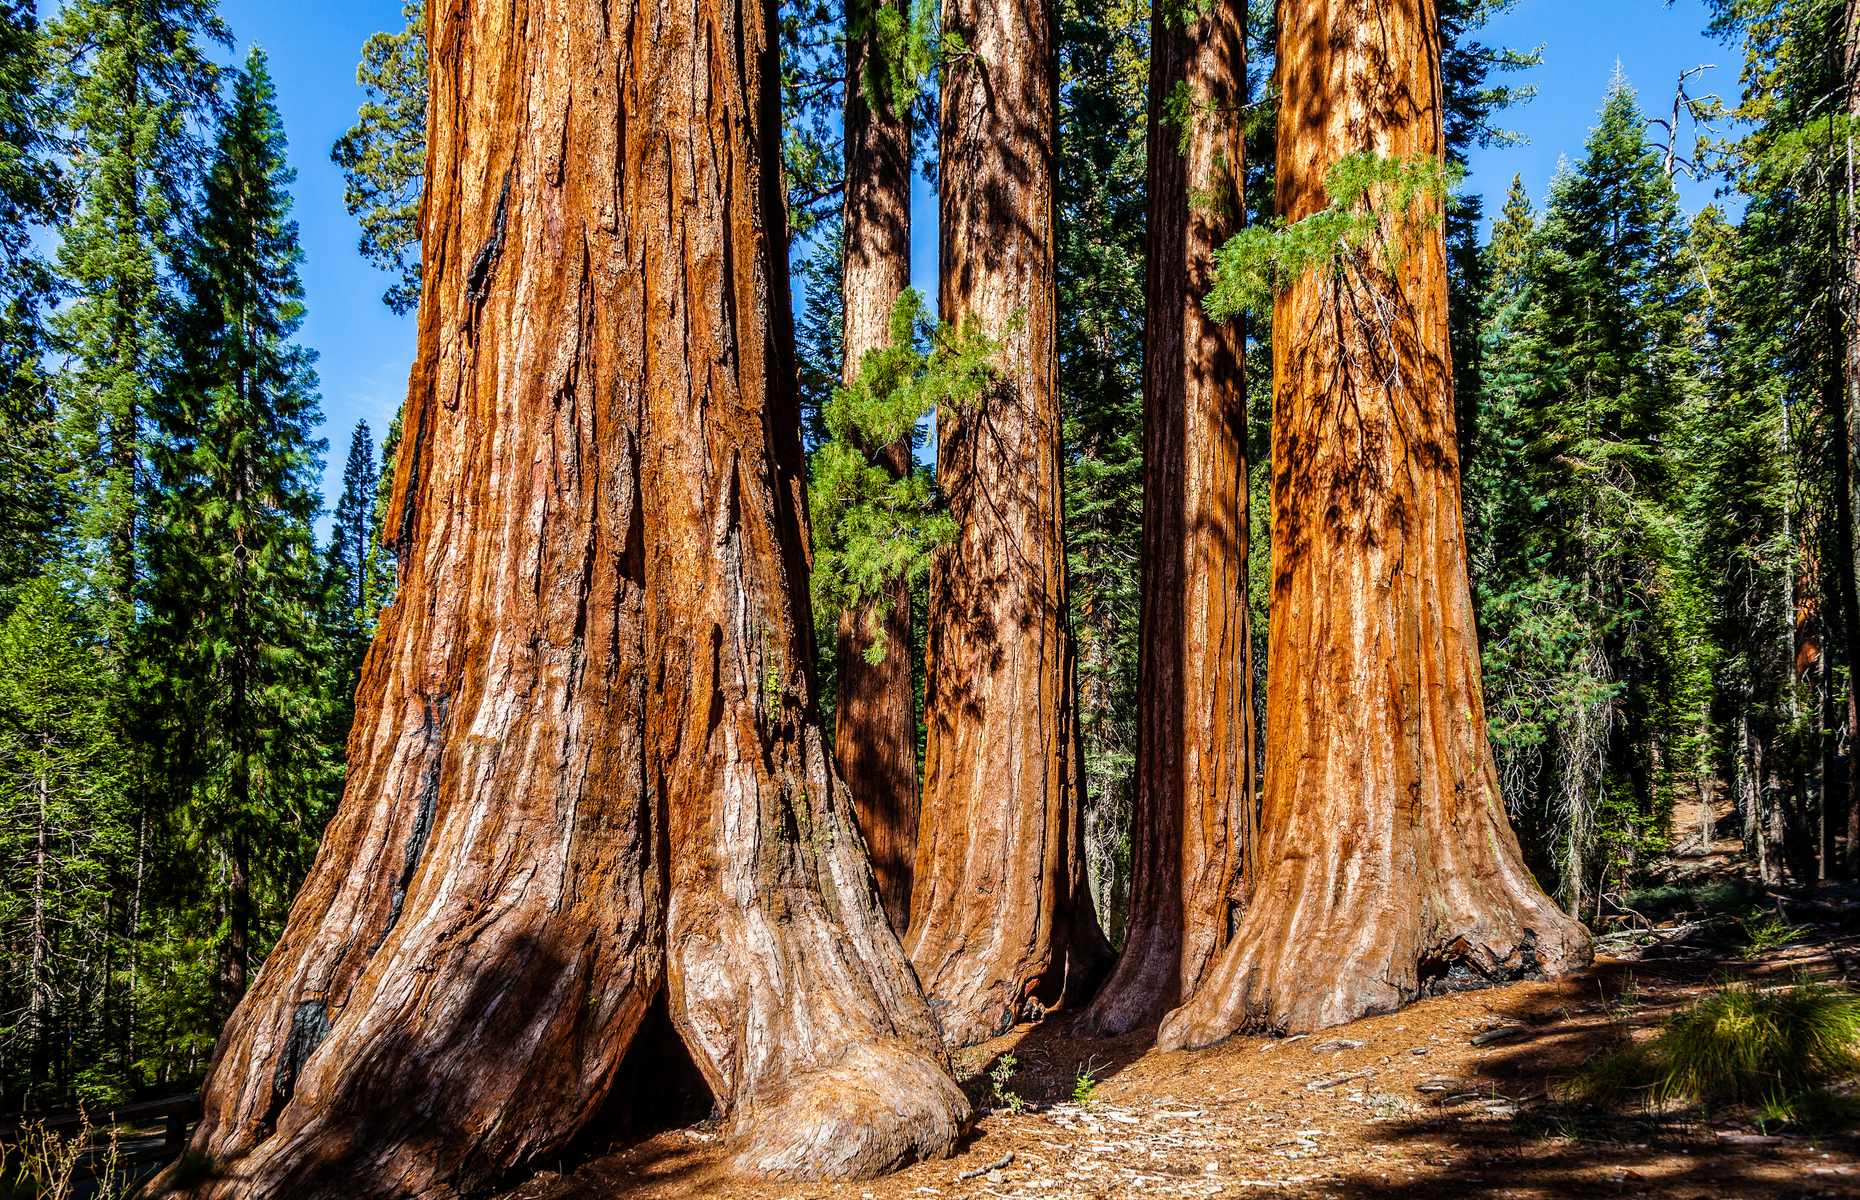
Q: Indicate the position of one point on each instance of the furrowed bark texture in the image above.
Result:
(1001, 920)
(1194, 825)
(585, 762)
(875, 715)
(1390, 868)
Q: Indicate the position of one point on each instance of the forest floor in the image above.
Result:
(1453, 1096)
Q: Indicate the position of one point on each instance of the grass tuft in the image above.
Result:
(1817, 1110)
(1738, 1045)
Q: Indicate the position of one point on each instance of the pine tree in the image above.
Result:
(135, 85)
(380, 571)
(237, 584)
(348, 621)
(1583, 555)
(1474, 100)
(1782, 412)
(383, 156)
(349, 540)
(1100, 195)
(63, 829)
(34, 503)
(820, 333)
(813, 92)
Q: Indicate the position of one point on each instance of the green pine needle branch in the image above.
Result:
(872, 530)
(1257, 263)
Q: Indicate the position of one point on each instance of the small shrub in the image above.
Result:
(1085, 1084)
(1005, 1096)
(1766, 933)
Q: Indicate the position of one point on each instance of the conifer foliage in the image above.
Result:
(1646, 414)
(1588, 598)
(383, 158)
(173, 694)
(233, 644)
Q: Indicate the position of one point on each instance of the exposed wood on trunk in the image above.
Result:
(1001, 922)
(875, 717)
(1390, 866)
(1193, 821)
(586, 762)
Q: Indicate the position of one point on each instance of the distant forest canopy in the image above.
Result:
(1654, 425)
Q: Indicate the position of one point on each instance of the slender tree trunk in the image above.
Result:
(875, 719)
(1193, 822)
(587, 762)
(133, 992)
(39, 994)
(238, 917)
(1002, 926)
(1390, 868)
(1848, 405)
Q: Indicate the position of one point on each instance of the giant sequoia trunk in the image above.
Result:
(586, 765)
(1193, 824)
(1001, 920)
(875, 717)
(1390, 869)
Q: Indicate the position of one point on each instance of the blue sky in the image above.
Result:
(365, 350)
(1583, 41)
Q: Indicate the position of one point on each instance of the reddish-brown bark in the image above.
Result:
(1389, 865)
(585, 762)
(1193, 823)
(875, 712)
(1001, 919)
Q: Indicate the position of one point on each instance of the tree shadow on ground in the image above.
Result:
(1048, 1062)
(1599, 1155)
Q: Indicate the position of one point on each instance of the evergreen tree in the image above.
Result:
(1102, 185)
(135, 84)
(379, 568)
(1780, 490)
(1474, 100)
(349, 541)
(383, 156)
(347, 621)
(233, 643)
(34, 503)
(1583, 557)
(813, 62)
(63, 828)
(820, 329)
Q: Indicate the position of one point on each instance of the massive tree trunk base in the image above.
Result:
(1390, 870)
(1002, 926)
(1192, 832)
(586, 766)
(1316, 975)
